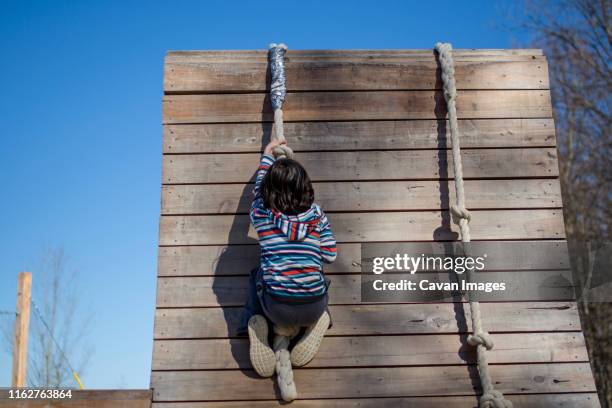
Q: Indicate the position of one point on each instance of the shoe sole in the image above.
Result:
(308, 346)
(261, 355)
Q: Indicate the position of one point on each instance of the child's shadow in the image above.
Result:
(241, 253)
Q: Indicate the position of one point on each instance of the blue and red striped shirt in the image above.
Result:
(293, 247)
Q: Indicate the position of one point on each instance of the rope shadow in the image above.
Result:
(465, 351)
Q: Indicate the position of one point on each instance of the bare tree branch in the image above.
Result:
(576, 36)
(57, 335)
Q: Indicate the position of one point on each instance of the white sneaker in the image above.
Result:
(308, 346)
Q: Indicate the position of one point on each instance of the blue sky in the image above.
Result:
(80, 120)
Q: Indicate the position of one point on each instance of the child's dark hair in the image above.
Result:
(287, 188)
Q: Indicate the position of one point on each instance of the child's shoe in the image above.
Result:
(261, 355)
(308, 346)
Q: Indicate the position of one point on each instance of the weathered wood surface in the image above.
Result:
(21, 329)
(373, 227)
(232, 76)
(317, 106)
(240, 259)
(203, 291)
(368, 165)
(577, 400)
(359, 135)
(263, 53)
(84, 399)
(371, 196)
(373, 382)
(378, 351)
(357, 56)
(191, 323)
(378, 151)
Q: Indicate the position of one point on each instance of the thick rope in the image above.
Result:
(490, 398)
(283, 335)
(284, 371)
(278, 90)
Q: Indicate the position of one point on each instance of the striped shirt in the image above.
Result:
(293, 247)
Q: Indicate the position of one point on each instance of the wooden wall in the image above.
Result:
(84, 399)
(370, 128)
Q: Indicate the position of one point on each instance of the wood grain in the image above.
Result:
(189, 323)
(369, 125)
(251, 76)
(371, 196)
(377, 351)
(367, 165)
(359, 135)
(373, 227)
(353, 54)
(21, 330)
(203, 291)
(577, 400)
(373, 382)
(84, 399)
(353, 105)
(235, 260)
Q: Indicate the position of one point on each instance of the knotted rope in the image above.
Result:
(284, 370)
(283, 335)
(278, 90)
(491, 398)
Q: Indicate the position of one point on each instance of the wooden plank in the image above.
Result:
(84, 399)
(367, 165)
(373, 227)
(360, 135)
(191, 323)
(579, 400)
(375, 351)
(371, 196)
(313, 106)
(240, 259)
(372, 382)
(344, 55)
(263, 53)
(21, 331)
(204, 291)
(251, 76)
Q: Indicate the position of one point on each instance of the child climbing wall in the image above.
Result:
(288, 287)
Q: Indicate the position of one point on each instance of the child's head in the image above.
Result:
(287, 188)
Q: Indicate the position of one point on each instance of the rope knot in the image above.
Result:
(494, 399)
(481, 339)
(460, 213)
(282, 152)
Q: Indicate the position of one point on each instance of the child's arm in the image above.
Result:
(267, 159)
(258, 205)
(328, 242)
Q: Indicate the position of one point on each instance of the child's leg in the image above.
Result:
(308, 345)
(255, 324)
(252, 306)
(313, 315)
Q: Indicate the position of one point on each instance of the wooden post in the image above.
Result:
(22, 323)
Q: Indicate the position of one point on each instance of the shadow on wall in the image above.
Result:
(240, 243)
